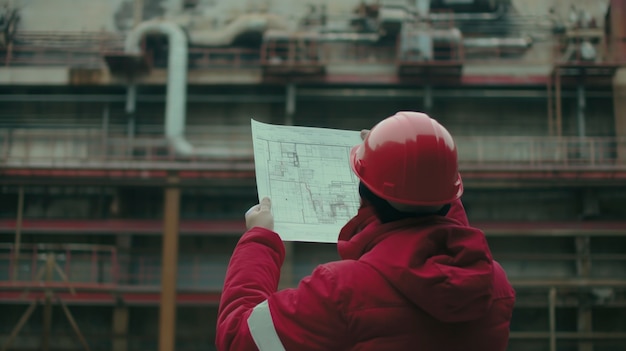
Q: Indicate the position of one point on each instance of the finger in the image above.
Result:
(364, 133)
(252, 209)
(265, 204)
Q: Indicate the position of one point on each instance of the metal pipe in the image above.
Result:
(175, 105)
(20, 324)
(582, 102)
(70, 318)
(328, 37)
(290, 104)
(18, 233)
(483, 16)
(494, 42)
(131, 98)
(251, 22)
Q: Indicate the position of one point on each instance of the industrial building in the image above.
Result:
(127, 164)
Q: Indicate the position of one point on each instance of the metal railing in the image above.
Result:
(74, 49)
(56, 265)
(89, 149)
(87, 49)
(94, 267)
(543, 152)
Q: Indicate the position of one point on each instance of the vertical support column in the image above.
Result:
(167, 315)
(550, 106)
(18, 234)
(120, 328)
(131, 101)
(105, 130)
(580, 111)
(552, 317)
(123, 244)
(47, 308)
(558, 103)
(428, 98)
(618, 46)
(583, 149)
(120, 311)
(585, 319)
(290, 104)
(137, 12)
(619, 103)
(618, 29)
(287, 272)
(591, 209)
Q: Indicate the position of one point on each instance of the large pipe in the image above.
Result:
(253, 22)
(483, 16)
(502, 43)
(175, 103)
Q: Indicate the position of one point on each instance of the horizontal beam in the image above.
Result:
(304, 93)
(484, 178)
(111, 298)
(568, 283)
(236, 226)
(158, 99)
(570, 335)
(150, 295)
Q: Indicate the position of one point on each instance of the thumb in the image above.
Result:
(364, 133)
(266, 204)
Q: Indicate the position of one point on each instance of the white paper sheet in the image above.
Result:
(306, 173)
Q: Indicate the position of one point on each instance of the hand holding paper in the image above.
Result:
(260, 215)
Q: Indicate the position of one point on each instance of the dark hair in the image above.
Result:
(387, 213)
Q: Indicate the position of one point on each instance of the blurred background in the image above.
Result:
(126, 156)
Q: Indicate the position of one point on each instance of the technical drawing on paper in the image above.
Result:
(306, 173)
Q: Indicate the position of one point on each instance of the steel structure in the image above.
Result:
(564, 267)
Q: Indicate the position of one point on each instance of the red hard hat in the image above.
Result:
(409, 158)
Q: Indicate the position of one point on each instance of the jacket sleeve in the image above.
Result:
(252, 276)
(253, 315)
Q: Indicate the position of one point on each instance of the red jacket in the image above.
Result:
(423, 284)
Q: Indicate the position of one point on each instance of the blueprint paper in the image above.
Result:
(306, 173)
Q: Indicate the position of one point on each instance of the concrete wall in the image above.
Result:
(112, 15)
